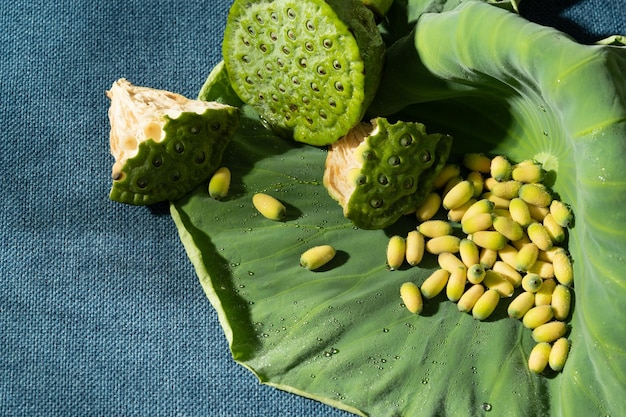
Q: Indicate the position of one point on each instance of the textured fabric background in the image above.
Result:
(101, 313)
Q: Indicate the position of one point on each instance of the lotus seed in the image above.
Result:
(157, 161)
(394, 160)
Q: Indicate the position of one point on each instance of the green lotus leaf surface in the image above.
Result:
(500, 85)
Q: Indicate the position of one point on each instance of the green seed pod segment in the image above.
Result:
(163, 143)
(398, 164)
(310, 67)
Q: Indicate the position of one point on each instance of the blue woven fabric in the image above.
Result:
(101, 313)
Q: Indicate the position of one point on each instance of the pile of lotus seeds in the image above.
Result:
(512, 236)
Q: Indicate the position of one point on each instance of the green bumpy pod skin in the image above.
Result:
(381, 171)
(310, 68)
(163, 143)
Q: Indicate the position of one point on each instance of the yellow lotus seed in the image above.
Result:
(447, 172)
(469, 298)
(549, 332)
(429, 207)
(526, 257)
(507, 189)
(481, 221)
(414, 247)
(449, 261)
(500, 168)
(561, 302)
(476, 273)
(469, 253)
(558, 354)
(317, 256)
(508, 272)
(443, 244)
(544, 295)
(480, 206)
(485, 305)
(535, 194)
(508, 228)
(435, 283)
(411, 297)
(435, 228)
(495, 281)
(489, 239)
(396, 251)
(521, 305)
(563, 270)
(477, 181)
(477, 162)
(538, 358)
(460, 194)
(519, 212)
(219, 183)
(528, 172)
(555, 231)
(456, 284)
(561, 213)
(539, 236)
(537, 316)
(269, 207)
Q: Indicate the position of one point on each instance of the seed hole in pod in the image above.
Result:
(361, 180)
(295, 80)
(287, 116)
(215, 126)
(261, 96)
(339, 86)
(142, 182)
(408, 183)
(259, 19)
(251, 30)
(175, 175)
(406, 140)
(263, 47)
(321, 70)
(293, 107)
(291, 34)
(274, 16)
(157, 161)
(273, 36)
(383, 180)
(269, 67)
(280, 62)
(323, 114)
(306, 100)
(336, 65)
(245, 59)
(315, 87)
(200, 157)
(309, 120)
(310, 25)
(376, 202)
(286, 50)
(179, 147)
(245, 41)
(291, 13)
(281, 88)
(249, 80)
(327, 43)
(309, 46)
(275, 97)
(117, 175)
(259, 74)
(394, 160)
(303, 62)
(368, 155)
(425, 156)
(332, 102)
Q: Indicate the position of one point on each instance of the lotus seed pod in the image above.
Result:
(489, 239)
(435, 228)
(538, 316)
(561, 213)
(435, 283)
(477, 181)
(549, 332)
(508, 272)
(538, 213)
(219, 183)
(563, 271)
(500, 168)
(485, 305)
(479, 207)
(538, 358)
(535, 194)
(532, 282)
(526, 257)
(449, 262)
(519, 212)
(561, 302)
(415, 246)
(544, 295)
(411, 297)
(477, 162)
(429, 207)
(476, 273)
(488, 257)
(310, 79)
(269, 207)
(544, 269)
(558, 354)
(481, 221)
(508, 254)
(443, 244)
(317, 256)
(528, 172)
(456, 214)
(397, 173)
(521, 305)
(396, 250)
(460, 194)
(456, 284)
(468, 299)
(446, 174)
(469, 253)
(555, 231)
(508, 228)
(506, 189)
(539, 236)
(164, 144)
(495, 281)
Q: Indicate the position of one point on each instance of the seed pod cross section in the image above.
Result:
(310, 68)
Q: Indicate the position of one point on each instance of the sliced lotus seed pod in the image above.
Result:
(317, 256)
(310, 68)
(163, 143)
(398, 165)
